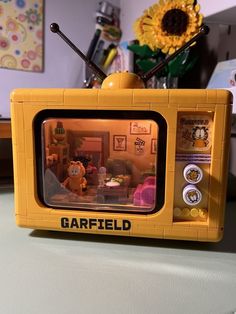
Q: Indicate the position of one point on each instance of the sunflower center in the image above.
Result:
(175, 22)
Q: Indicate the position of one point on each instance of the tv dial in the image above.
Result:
(192, 195)
(193, 174)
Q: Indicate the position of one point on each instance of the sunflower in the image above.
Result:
(168, 25)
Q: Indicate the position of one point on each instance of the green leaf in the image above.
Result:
(183, 63)
(145, 65)
(142, 51)
(178, 64)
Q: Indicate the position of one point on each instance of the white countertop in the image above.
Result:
(53, 272)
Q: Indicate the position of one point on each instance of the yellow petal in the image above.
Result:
(165, 49)
(171, 50)
(200, 19)
(197, 8)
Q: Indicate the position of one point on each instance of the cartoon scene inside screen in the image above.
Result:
(100, 164)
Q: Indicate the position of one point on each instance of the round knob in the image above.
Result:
(191, 195)
(54, 27)
(193, 174)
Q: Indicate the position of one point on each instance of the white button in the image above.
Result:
(191, 195)
(193, 174)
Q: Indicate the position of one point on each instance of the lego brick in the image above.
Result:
(191, 97)
(180, 233)
(37, 95)
(203, 234)
(152, 96)
(148, 231)
(81, 97)
(111, 98)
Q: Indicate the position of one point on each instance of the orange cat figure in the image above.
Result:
(75, 182)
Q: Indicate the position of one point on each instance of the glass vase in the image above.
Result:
(165, 82)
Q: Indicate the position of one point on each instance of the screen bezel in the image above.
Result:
(101, 114)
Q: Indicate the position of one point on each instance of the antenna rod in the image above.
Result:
(54, 27)
(204, 30)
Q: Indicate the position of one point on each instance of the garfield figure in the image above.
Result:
(75, 182)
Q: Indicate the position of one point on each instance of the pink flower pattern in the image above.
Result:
(21, 35)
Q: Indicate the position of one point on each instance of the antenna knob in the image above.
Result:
(54, 27)
(205, 29)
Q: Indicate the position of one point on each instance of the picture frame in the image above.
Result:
(140, 127)
(153, 146)
(119, 142)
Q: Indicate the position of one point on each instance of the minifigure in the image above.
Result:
(75, 182)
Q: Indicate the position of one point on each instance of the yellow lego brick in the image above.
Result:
(20, 203)
(31, 110)
(211, 96)
(17, 127)
(163, 108)
(165, 111)
(35, 208)
(215, 235)
(114, 107)
(84, 106)
(223, 97)
(202, 234)
(147, 231)
(181, 224)
(81, 97)
(29, 143)
(37, 95)
(142, 106)
(164, 216)
(191, 97)
(187, 106)
(152, 96)
(20, 181)
(111, 98)
(30, 175)
(22, 221)
(205, 107)
(180, 233)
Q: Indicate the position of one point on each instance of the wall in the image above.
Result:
(63, 68)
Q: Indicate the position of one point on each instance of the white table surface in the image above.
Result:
(54, 272)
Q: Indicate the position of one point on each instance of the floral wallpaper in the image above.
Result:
(21, 35)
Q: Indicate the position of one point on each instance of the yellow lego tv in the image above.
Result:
(122, 160)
